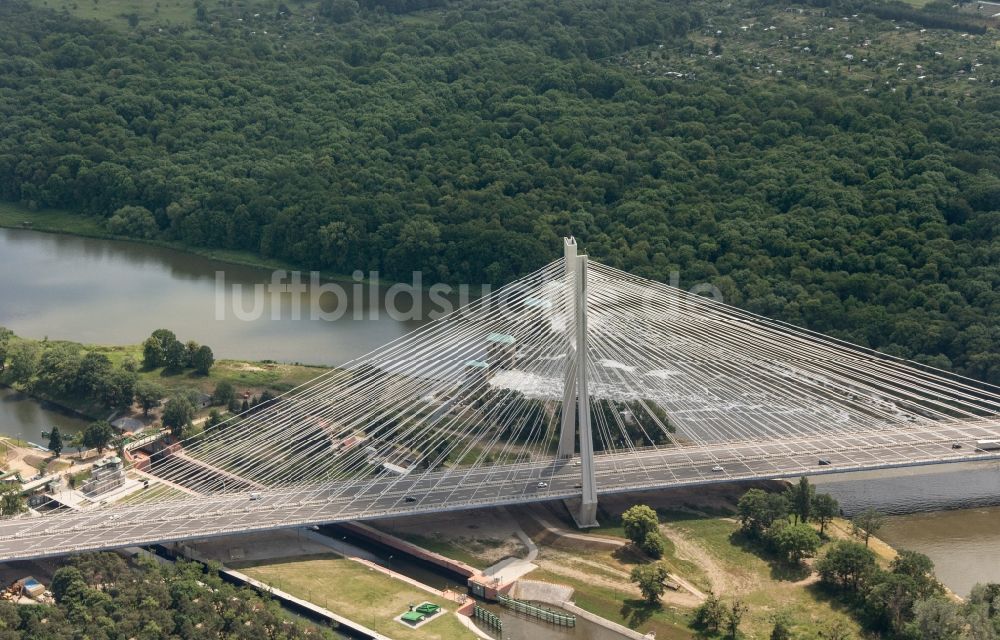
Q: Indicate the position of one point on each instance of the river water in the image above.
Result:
(949, 512)
(110, 292)
(24, 418)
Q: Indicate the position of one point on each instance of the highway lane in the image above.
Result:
(635, 470)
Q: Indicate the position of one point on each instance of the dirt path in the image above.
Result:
(723, 582)
(602, 575)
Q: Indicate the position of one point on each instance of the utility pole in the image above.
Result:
(576, 388)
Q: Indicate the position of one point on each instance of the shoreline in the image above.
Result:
(252, 377)
(13, 216)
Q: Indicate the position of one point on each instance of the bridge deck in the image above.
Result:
(637, 470)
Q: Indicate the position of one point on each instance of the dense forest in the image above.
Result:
(101, 597)
(815, 162)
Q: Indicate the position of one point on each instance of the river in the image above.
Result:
(949, 512)
(111, 292)
(24, 418)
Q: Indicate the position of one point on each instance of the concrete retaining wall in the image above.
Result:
(604, 622)
(556, 594)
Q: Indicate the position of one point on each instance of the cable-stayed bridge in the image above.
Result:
(573, 381)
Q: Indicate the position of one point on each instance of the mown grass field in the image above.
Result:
(359, 593)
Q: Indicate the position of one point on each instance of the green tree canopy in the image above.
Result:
(98, 435)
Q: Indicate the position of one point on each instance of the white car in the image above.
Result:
(718, 468)
(542, 485)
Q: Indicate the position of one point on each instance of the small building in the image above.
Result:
(106, 475)
(412, 617)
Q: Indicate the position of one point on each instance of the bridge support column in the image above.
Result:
(567, 432)
(577, 419)
(588, 504)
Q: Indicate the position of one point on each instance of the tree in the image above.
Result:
(134, 222)
(638, 522)
(801, 499)
(22, 362)
(847, 564)
(177, 414)
(63, 579)
(5, 336)
(651, 579)
(119, 388)
(836, 631)
(55, 441)
(12, 502)
(98, 435)
(866, 524)
(709, 614)
(339, 10)
(920, 569)
(796, 542)
(148, 394)
(781, 629)
(937, 619)
(202, 360)
(654, 545)
(224, 393)
(174, 356)
(734, 617)
(758, 509)
(214, 419)
(824, 510)
(152, 353)
(190, 348)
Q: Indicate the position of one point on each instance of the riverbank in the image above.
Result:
(703, 552)
(15, 216)
(249, 379)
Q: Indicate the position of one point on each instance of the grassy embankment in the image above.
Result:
(725, 562)
(704, 549)
(357, 592)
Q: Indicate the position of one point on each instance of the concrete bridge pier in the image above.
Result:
(578, 420)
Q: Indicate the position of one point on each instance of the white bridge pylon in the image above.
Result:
(576, 380)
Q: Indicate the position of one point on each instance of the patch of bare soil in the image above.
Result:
(723, 581)
(490, 550)
(596, 573)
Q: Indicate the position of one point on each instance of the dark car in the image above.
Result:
(823, 462)
(956, 445)
(409, 499)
